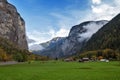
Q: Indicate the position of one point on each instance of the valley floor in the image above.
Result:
(58, 70)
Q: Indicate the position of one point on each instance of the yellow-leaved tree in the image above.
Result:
(3, 55)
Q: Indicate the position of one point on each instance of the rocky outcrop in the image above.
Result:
(12, 26)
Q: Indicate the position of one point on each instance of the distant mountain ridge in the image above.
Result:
(62, 47)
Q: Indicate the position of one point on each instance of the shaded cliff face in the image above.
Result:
(12, 26)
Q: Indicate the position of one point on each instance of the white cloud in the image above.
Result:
(96, 1)
(35, 47)
(106, 10)
(62, 33)
(97, 10)
(91, 29)
(40, 37)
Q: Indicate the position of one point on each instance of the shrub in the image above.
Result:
(18, 57)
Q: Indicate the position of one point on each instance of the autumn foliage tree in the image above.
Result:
(99, 54)
(109, 53)
(9, 51)
(3, 55)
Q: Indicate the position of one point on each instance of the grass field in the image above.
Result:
(52, 70)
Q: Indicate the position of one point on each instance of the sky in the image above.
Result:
(46, 19)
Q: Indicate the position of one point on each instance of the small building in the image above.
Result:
(68, 59)
(104, 60)
(84, 60)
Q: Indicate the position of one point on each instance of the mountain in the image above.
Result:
(12, 25)
(107, 37)
(63, 47)
(30, 41)
(80, 34)
(35, 47)
(51, 48)
(13, 43)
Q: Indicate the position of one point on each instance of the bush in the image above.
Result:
(19, 57)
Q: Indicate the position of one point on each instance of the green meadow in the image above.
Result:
(58, 70)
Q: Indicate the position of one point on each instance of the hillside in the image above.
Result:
(107, 37)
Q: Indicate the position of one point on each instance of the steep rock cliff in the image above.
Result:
(12, 26)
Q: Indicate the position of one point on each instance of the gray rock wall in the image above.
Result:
(12, 26)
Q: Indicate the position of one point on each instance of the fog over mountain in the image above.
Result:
(66, 46)
(107, 37)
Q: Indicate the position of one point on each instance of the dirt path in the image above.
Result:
(8, 63)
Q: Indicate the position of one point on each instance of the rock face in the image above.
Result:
(78, 36)
(12, 26)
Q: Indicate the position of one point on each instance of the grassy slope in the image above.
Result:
(61, 71)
